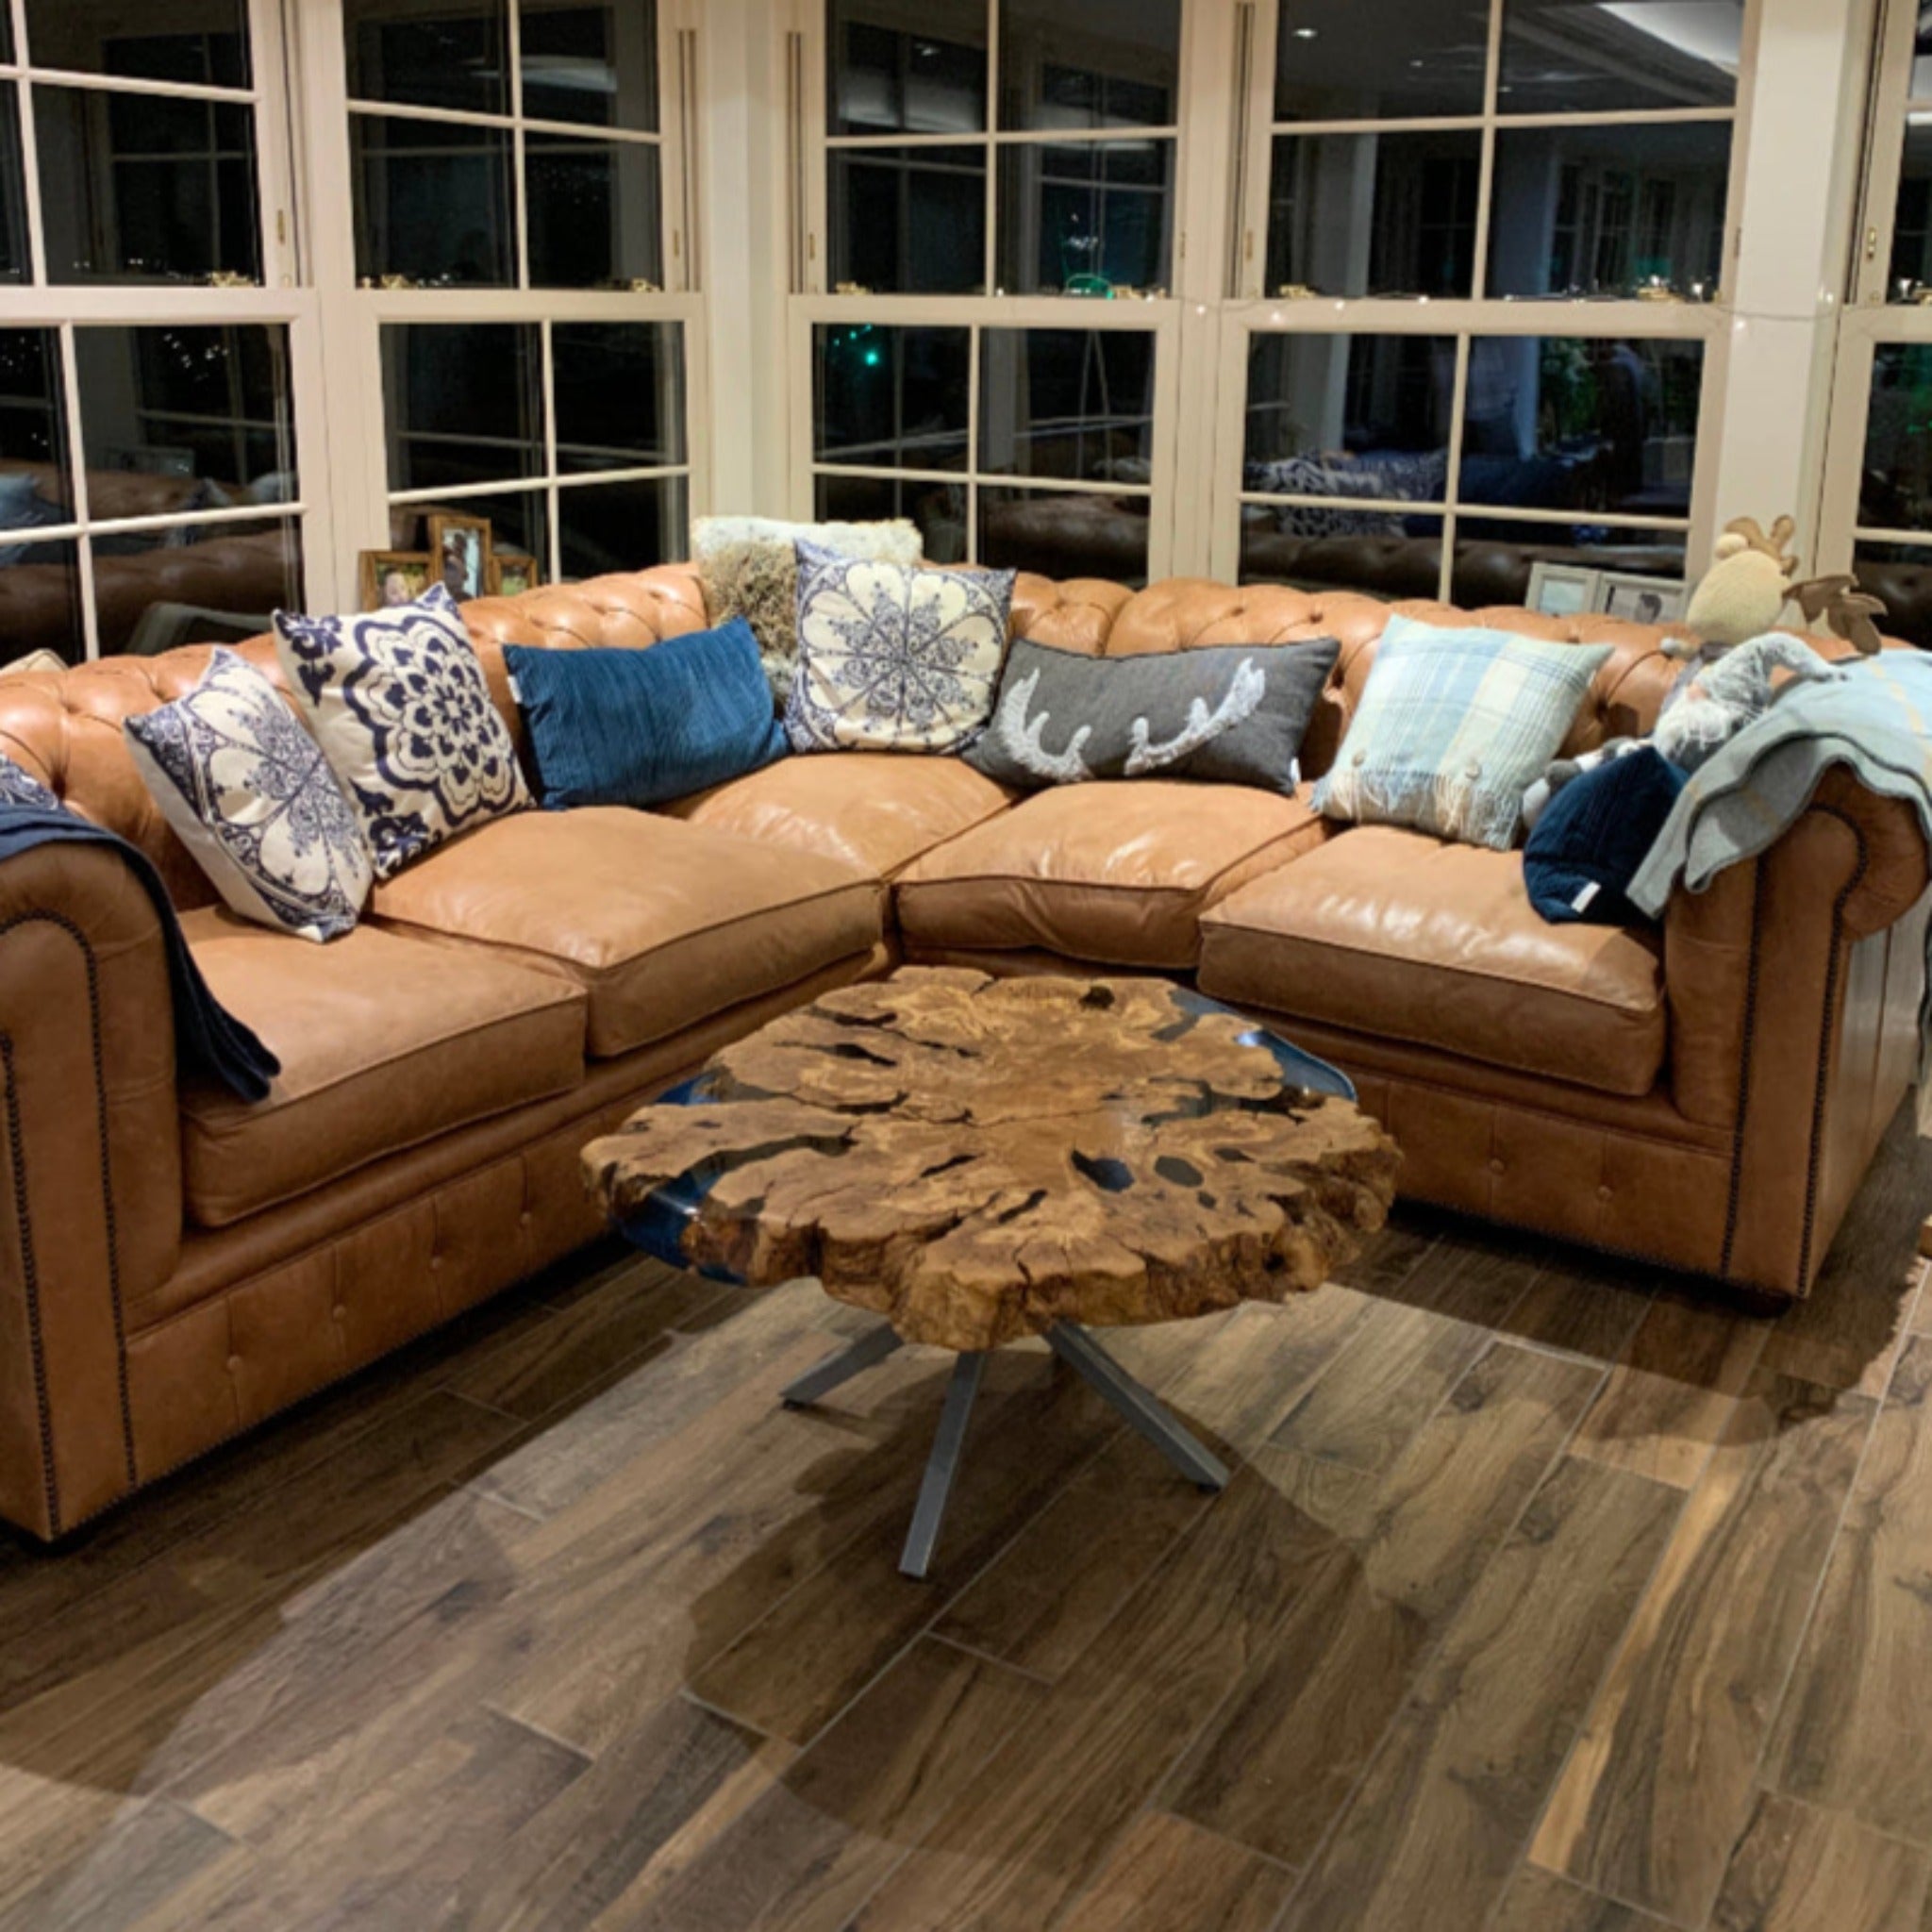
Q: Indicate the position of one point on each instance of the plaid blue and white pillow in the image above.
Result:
(1452, 727)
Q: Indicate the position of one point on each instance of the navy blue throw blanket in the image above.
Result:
(208, 1038)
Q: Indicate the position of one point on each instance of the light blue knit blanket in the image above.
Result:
(1876, 716)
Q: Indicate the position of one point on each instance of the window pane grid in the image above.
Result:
(552, 478)
(1531, 204)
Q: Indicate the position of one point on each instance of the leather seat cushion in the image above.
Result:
(661, 924)
(1391, 932)
(384, 1042)
(876, 813)
(1118, 871)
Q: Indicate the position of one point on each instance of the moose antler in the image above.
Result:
(1782, 531)
(1847, 610)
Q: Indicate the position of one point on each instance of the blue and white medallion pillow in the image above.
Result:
(892, 658)
(400, 705)
(249, 793)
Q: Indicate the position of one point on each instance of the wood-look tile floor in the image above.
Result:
(1548, 1597)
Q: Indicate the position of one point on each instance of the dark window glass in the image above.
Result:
(7, 34)
(591, 62)
(194, 584)
(1089, 64)
(593, 212)
(619, 394)
(1899, 577)
(1495, 560)
(1337, 415)
(1064, 402)
(938, 509)
(33, 431)
(432, 202)
(889, 398)
(1895, 484)
(445, 54)
(1605, 210)
(1085, 216)
(1911, 232)
(1579, 56)
(621, 527)
(1375, 214)
(1064, 533)
(906, 66)
(39, 600)
(1326, 547)
(1556, 423)
(200, 43)
(1373, 60)
(909, 220)
(207, 405)
(463, 401)
(142, 187)
(14, 265)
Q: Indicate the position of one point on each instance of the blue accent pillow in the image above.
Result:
(1594, 835)
(619, 727)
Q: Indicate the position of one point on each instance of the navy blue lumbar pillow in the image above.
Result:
(619, 727)
(1594, 833)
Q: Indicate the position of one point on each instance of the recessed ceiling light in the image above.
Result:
(1305, 33)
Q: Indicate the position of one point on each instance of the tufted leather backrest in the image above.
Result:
(65, 726)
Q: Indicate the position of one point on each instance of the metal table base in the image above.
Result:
(1075, 1347)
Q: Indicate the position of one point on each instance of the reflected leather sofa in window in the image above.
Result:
(175, 1266)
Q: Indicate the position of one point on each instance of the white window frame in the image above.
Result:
(1251, 311)
(1160, 319)
(355, 316)
(65, 307)
(1869, 320)
(1170, 548)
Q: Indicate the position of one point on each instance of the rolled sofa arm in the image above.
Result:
(89, 1172)
(1793, 984)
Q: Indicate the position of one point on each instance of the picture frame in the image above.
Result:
(1641, 599)
(384, 579)
(459, 548)
(1562, 590)
(512, 573)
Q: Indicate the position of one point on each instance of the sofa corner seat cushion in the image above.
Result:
(637, 728)
(1118, 871)
(1392, 932)
(874, 813)
(384, 1042)
(661, 924)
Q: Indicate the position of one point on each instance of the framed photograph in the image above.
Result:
(1641, 600)
(460, 546)
(387, 577)
(511, 574)
(1562, 590)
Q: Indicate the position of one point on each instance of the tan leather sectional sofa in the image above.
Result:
(175, 1266)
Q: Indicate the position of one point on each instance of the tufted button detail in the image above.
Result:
(1496, 1165)
(339, 1313)
(234, 1364)
(436, 1261)
(1473, 769)
(1603, 1192)
(525, 1219)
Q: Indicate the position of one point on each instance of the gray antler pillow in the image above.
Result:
(1234, 713)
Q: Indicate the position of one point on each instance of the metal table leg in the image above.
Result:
(943, 1464)
(1138, 1403)
(849, 1361)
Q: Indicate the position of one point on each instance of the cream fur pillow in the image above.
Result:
(749, 569)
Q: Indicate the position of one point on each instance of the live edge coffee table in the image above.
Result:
(980, 1160)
